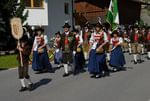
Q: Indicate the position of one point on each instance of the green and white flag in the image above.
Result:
(113, 15)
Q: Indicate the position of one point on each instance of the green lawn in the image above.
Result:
(8, 61)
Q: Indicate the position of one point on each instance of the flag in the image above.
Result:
(113, 15)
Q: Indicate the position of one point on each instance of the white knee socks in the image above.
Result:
(108, 56)
(135, 57)
(66, 68)
(22, 83)
(148, 53)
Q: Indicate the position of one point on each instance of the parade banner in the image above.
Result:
(113, 15)
(17, 32)
(16, 28)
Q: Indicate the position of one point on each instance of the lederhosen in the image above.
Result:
(67, 45)
(136, 41)
(23, 70)
(125, 45)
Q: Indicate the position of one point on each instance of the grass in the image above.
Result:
(8, 61)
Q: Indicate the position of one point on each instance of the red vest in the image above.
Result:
(115, 41)
(99, 38)
(136, 37)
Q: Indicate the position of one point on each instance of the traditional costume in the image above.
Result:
(97, 60)
(23, 58)
(136, 40)
(79, 60)
(40, 60)
(117, 60)
(58, 52)
(126, 41)
(67, 46)
(86, 34)
(148, 43)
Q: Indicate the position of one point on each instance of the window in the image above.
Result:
(34, 3)
(66, 8)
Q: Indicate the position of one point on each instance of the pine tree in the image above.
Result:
(10, 9)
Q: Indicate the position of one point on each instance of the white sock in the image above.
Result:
(29, 81)
(22, 82)
(66, 68)
(142, 50)
(135, 57)
(130, 50)
(148, 54)
(108, 56)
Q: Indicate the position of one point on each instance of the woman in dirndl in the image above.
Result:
(117, 60)
(41, 62)
(58, 52)
(79, 60)
(36, 66)
(97, 58)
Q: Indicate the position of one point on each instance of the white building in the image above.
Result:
(51, 14)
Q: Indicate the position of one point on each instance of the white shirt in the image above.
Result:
(93, 39)
(36, 44)
(119, 39)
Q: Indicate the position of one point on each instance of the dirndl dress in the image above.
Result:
(93, 67)
(36, 66)
(58, 57)
(44, 60)
(117, 58)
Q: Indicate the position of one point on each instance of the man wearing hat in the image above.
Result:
(23, 59)
(136, 40)
(67, 45)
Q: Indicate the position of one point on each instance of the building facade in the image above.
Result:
(50, 14)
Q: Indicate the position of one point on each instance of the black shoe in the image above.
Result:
(98, 76)
(135, 62)
(51, 71)
(30, 87)
(140, 61)
(115, 70)
(148, 58)
(106, 74)
(93, 76)
(23, 89)
(66, 75)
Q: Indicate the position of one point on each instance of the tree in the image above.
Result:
(10, 9)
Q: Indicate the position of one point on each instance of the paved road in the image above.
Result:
(130, 85)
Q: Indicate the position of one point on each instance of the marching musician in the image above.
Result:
(136, 40)
(67, 46)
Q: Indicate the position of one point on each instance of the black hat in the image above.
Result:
(58, 33)
(115, 32)
(99, 25)
(136, 26)
(39, 29)
(66, 25)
